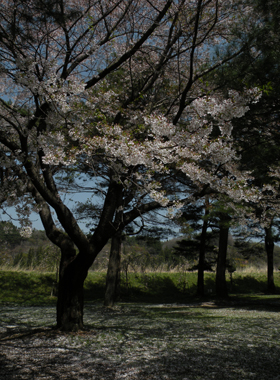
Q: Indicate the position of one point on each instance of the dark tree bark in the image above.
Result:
(113, 272)
(269, 247)
(74, 267)
(221, 285)
(70, 299)
(201, 261)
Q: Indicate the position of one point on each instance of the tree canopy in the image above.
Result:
(117, 91)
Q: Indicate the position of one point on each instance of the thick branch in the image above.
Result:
(132, 51)
(64, 215)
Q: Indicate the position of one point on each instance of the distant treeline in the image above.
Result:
(139, 253)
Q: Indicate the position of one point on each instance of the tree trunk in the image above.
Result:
(221, 285)
(70, 300)
(74, 267)
(201, 261)
(113, 272)
(269, 247)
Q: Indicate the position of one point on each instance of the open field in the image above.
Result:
(145, 342)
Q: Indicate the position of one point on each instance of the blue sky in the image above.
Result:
(70, 199)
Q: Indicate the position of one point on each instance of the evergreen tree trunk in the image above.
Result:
(221, 285)
(201, 261)
(269, 247)
(113, 272)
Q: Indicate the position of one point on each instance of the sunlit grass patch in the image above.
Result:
(26, 287)
(32, 288)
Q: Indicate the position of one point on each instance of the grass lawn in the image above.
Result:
(35, 288)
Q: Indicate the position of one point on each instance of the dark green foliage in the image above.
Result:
(189, 248)
(257, 134)
(249, 250)
(142, 252)
(152, 244)
(9, 239)
(9, 235)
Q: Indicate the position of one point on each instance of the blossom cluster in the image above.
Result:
(26, 232)
(98, 89)
(192, 149)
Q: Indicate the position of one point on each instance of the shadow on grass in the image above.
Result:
(94, 290)
(249, 284)
(142, 288)
(158, 288)
(162, 288)
(34, 288)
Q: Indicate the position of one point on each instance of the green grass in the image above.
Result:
(28, 288)
(32, 288)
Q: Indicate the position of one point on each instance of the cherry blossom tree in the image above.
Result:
(116, 87)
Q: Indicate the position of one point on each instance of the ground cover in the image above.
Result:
(26, 287)
(35, 288)
(237, 340)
